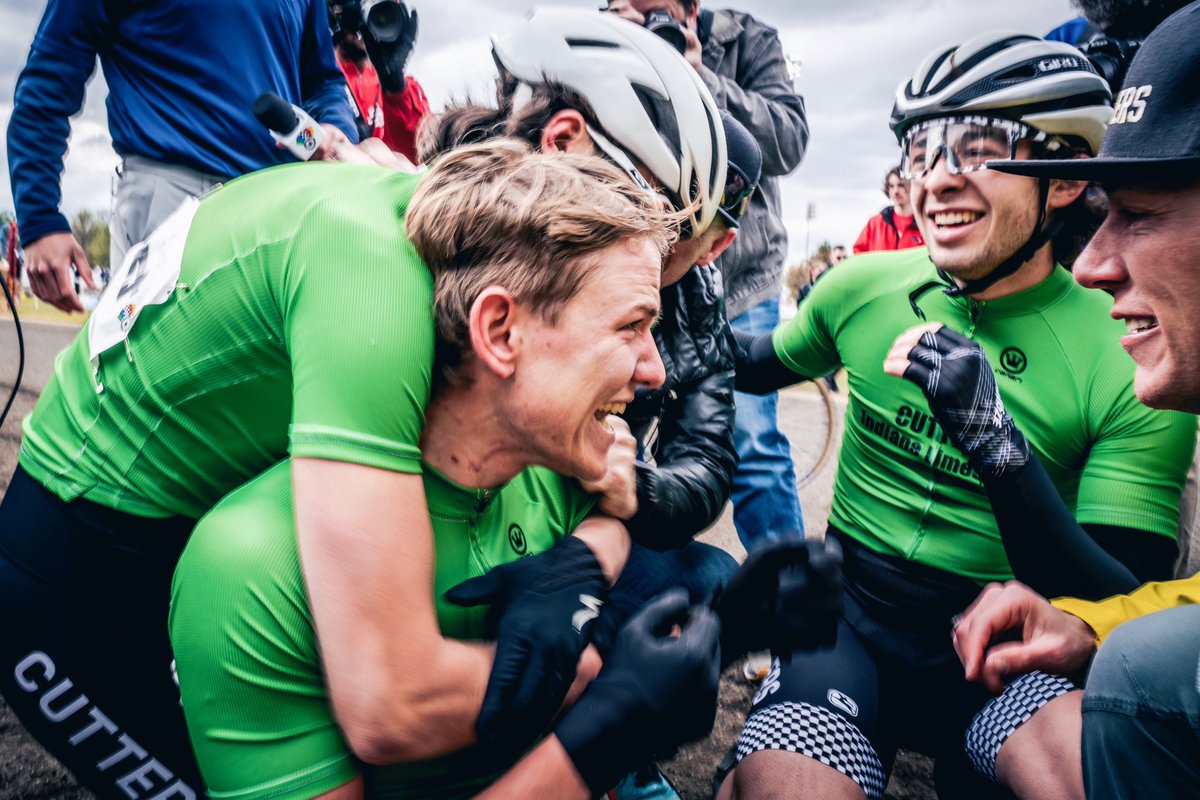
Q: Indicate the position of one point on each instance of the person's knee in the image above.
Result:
(1153, 658)
(796, 749)
(1005, 716)
(1042, 757)
(780, 774)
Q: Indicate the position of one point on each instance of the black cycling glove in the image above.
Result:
(540, 609)
(956, 377)
(655, 692)
(787, 596)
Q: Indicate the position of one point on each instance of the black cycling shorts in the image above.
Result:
(85, 660)
(892, 680)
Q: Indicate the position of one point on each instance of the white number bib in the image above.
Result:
(146, 277)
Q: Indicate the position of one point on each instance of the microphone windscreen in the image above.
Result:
(275, 112)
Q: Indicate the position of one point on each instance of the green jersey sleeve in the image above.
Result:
(361, 360)
(809, 344)
(1136, 469)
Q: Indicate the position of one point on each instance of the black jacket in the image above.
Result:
(687, 425)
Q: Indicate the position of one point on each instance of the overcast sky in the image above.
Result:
(853, 53)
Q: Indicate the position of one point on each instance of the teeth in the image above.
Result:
(1139, 324)
(611, 408)
(943, 218)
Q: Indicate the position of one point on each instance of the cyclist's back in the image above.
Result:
(267, 310)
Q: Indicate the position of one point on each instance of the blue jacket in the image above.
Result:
(182, 76)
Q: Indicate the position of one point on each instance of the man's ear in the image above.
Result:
(717, 247)
(1063, 193)
(566, 132)
(490, 325)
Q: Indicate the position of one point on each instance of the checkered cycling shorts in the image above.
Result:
(819, 734)
(1001, 717)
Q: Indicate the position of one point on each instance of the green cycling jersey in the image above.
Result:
(305, 330)
(903, 489)
(250, 677)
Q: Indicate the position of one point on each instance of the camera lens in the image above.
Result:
(384, 19)
(659, 22)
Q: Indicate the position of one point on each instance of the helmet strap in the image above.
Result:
(1042, 233)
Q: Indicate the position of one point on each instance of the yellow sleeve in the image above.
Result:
(1105, 615)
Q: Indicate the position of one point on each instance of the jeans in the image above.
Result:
(1141, 709)
(765, 503)
(700, 568)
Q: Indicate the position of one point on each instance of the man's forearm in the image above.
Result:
(399, 689)
(609, 542)
(1040, 535)
(49, 92)
(547, 772)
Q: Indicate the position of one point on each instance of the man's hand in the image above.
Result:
(656, 691)
(49, 261)
(625, 10)
(618, 486)
(336, 147)
(957, 379)
(694, 50)
(539, 615)
(786, 596)
(1051, 640)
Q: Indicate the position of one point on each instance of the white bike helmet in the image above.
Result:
(1049, 86)
(651, 105)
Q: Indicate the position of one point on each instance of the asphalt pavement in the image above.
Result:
(43, 341)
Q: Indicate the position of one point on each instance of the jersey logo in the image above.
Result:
(516, 539)
(770, 684)
(1013, 360)
(843, 701)
(590, 610)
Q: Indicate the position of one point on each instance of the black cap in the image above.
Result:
(743, 169)
(1154, 133)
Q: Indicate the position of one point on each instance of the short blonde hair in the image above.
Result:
(499, 214)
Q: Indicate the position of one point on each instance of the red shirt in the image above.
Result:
(393, 117)
(900, 234)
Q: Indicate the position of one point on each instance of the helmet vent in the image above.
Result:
(592, 43)
(959, 69)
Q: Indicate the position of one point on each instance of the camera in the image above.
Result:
(1111, 57)
(382, 20)
(389, 32)
(661, 24)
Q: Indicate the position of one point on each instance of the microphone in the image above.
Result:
(289, 125)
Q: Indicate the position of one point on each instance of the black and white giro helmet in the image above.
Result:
(652, 106)
(1048, 86)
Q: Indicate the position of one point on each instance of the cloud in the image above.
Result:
(852, 54)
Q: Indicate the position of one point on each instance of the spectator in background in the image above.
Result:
(741, 61)
(389, 112)
(182, 76)
(837, 255)
(813, 269)
(893, 228)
